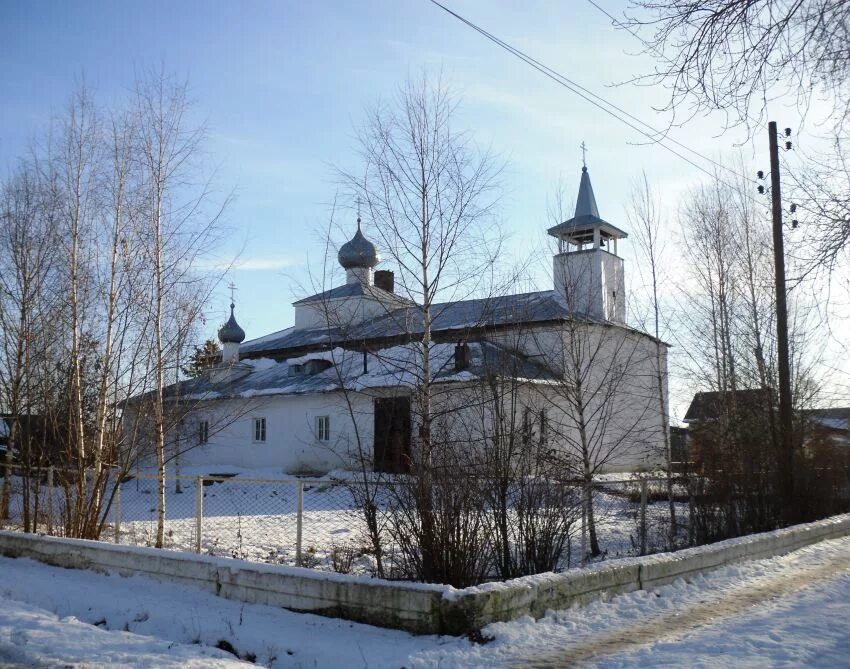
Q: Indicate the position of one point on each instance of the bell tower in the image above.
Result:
(588, 272)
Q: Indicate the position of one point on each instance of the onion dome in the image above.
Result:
(359, 252)
(230, 332)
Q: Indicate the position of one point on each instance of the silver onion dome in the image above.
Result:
(230, 332)
(359, 252)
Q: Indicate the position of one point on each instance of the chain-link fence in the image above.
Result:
(315, 523)
(284, 521)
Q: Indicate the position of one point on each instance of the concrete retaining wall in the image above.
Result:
(415, 607)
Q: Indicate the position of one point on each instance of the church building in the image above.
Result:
(337, 388)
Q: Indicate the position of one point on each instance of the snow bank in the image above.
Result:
(423, 608)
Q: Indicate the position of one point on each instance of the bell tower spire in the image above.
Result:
(588, 272)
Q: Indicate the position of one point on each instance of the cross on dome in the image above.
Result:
(230, 332)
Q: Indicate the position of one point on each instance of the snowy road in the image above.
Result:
(791, 611)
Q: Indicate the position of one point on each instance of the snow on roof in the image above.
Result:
(837, 418)
(396, 366)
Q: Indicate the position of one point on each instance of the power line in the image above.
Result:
(595, 99)
(651, 48)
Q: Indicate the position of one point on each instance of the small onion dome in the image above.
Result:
(359, 252)
(230, 332)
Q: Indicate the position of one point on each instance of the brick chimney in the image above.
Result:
(385, 279)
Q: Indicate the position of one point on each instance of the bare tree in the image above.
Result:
(645, 220)
(431, 196)
(27, 253)
(604, 403)
(176, 228)
(727, 332)
(105, 199)
(736, 56)
(600, 411)
(820, 188)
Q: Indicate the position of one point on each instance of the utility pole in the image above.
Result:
(786, 462)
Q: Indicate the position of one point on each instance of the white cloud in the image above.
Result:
(249, 264)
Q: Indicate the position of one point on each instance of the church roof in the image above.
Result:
(586, 200)
(586, 216)
(353, 290)
(447, 317)
(390, 367)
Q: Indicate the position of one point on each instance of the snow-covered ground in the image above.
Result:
(786, 611)
(253, 516)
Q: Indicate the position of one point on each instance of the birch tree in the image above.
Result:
(645, 220)
(430, 196)
(179, 224)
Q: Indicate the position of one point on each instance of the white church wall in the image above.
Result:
(540, 343)
(291, 442)
(578, 278)
(614, 287)
(632, 435)
(593, 282)
(338, 311)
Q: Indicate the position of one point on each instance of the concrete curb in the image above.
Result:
(415, 607)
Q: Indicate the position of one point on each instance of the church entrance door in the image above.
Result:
(392, 435)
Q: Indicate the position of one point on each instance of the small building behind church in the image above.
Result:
(337, 388)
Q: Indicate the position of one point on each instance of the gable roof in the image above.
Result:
(710, 405)
(408, 320)
(353, 290)
(837, 418)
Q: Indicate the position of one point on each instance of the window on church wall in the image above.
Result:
(259, 430)
(323, 428)
(203, 431)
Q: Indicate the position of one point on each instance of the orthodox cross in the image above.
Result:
(232, 288)
(358, 212)
(583, 154)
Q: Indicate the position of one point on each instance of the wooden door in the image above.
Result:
(392, 435)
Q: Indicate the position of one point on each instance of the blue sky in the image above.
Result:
(283, 85)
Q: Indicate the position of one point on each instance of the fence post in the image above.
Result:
(199, 512)
(50, 500)
(691, 512)
(583, 523)
(299, 522)
(117, 521)
(643, 496)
